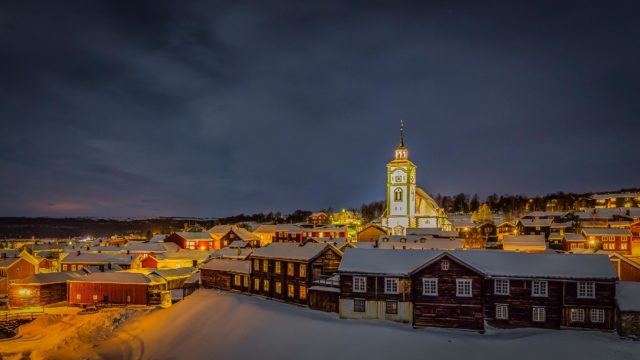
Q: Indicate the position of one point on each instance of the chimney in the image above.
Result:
(78, 253)
(128, 252)
(238, 251)
(109, 266)
(195, 263)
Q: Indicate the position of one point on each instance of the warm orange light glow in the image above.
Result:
(24, 292)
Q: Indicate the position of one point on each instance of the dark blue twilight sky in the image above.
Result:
(213, 108)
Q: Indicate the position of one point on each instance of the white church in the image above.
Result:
(408, 206)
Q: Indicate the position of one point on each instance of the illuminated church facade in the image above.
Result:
(408, 206)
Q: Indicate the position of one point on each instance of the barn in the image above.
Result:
(40, 289)
(122, 288)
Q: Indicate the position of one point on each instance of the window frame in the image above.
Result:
(500, 289)
(358, 308)
(391, 281)
(277, 268)
(278, 287)
(536, 311)
(504, 314)
(597, 320)
(394, 307)
(302, 292)
(576, 318)
(433, 286)
(588, 292)
(460, 285)
(291, 291)
(302, 270)
(290, 269)
(358, 289)
(540, 293)
(445, 265)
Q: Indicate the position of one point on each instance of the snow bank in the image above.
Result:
(211, 324)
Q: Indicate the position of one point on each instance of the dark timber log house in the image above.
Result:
(463, 289)
(284, 271)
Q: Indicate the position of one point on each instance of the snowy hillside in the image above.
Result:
(210, 324)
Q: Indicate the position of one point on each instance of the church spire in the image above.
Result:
(401, 151)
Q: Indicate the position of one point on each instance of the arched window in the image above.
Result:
(397, 194)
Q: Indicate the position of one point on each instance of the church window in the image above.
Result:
(397, 194)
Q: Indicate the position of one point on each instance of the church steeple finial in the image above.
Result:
(401, 151)
(401, 133)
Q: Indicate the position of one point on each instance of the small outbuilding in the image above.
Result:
(121, 288)
(40, 289)
(628, 308)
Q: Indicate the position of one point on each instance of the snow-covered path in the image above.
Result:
(211, 324)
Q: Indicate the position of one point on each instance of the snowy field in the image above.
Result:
(211, 324)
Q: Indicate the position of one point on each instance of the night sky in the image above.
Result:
(193, 109)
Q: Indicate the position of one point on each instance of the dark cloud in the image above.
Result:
(212, 108)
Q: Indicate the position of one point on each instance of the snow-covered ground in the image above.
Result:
(211, 324)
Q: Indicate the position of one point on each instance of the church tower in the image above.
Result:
(401, 190)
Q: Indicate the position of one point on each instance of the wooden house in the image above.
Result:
(505, 228)
(540, 226)
(176, 259)
(194, 240)
(371, 232)
(123, 288)
(463, 289)
(318, 218)
(239, 234)
(266, 233)
(13, 269)
(101, 261)
(524, 243)
(573, 241)
(284, 271)
(627, 267)
(612, 239)
(226, 274)
(40, 289)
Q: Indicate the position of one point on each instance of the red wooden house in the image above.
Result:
(613, 239)
(12, 269)
(194, 240)
(124, 288)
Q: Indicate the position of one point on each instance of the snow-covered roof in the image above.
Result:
(384, 261)
(491, 263)
(555, 236)
(628, 295)
(291, 251)
(50, 278)
(199, 255)
(265, 228)
(573, 237)
(142, 246)
(547, 214)
(244, 234)
(239, 244)
(435, 232)
(230, 253)
(100, 258)
(235, 266)
(559, 225)
(535, 222)
(548, 265)
(174, 273)
(425, 243)
(524, 243)
(605, 231)
(187, 235)
(364, 244)
(158, 238)
(7, 262)
(220, 229)
(119, 277)
(324, 288)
